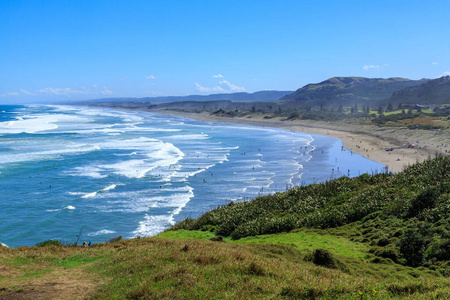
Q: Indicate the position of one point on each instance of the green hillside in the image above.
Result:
(389, 213)
(436, 91)
(370, 237)
(351, 89)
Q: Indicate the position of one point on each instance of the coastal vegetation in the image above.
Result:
(379, 236)
(376, 236)
(403, 219)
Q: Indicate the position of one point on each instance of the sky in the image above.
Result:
(76, 50)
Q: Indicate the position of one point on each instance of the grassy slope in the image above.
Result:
(361, 221)
(157, 268)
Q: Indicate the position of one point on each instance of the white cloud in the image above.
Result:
(26, 92)
(105, 90)
(447, 73)
(232, 87)
(434, 63)
(216, 89)
(217, 76)
(61, 91)
(367, 67)
(9, 94)
(94, 91)
(223, 87)
(150, 77)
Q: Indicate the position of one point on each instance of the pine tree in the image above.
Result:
(390, 108)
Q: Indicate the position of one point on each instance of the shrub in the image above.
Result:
(49, 243)
(412, 247)
(383, 242)
(425, 200)
(324, 258)
(116, 239)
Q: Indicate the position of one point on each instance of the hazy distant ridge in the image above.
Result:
(257, 96)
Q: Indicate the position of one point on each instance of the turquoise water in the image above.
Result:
(111, 172)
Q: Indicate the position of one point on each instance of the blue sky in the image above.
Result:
(75, 50)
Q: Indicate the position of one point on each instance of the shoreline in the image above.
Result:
(367, 140)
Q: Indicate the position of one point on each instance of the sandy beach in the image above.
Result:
(368, 140)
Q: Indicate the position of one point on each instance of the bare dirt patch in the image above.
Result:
(61, 284)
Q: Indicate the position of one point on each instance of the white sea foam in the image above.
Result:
(136, 168)
(145, 200)
(152, 225)
(101, 232)
(75, 193)
(157, 154)
(70, 207)
(89, 195)
(108, 188)
(59, 150)
(87, 171)
(189, 137)
(30, 125)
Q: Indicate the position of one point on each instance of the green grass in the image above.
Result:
(304, 241)
(270, 250)
(186, 235)
(271, 267)
(307, 241)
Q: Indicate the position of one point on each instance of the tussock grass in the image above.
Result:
(157, 268)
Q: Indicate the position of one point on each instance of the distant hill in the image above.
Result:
(257, 96)
(436, 91)
(351, 89)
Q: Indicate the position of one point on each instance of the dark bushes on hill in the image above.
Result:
(383, 210)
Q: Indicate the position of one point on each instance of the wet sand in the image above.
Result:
(368, 140)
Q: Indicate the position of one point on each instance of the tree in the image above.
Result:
(412, 247)
(427, 199)
(340, 108)
(400, 106)
(356, 108)
(390, 108)
(380, 110)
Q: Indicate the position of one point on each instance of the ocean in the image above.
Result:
(105, 173)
